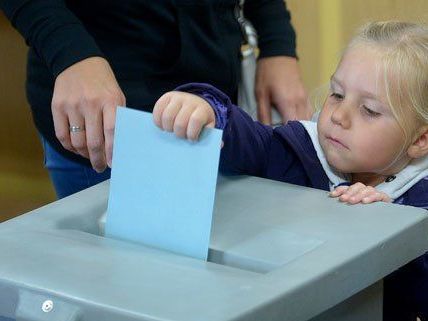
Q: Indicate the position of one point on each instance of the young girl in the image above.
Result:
(369, 144)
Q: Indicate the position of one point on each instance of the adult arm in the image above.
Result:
(86, 92)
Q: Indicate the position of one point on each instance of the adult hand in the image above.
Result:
(278, 83)
(86, 95)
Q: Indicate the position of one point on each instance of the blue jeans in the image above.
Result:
(67, 176)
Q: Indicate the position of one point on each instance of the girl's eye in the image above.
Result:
(370, 112)
(337, 96)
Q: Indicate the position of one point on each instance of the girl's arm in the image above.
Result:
(247, 144)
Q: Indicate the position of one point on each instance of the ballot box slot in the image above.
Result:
(260, 249)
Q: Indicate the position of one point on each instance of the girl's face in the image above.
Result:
(356, 127)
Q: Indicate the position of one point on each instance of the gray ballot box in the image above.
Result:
(277, 252)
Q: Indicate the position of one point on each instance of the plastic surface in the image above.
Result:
(277, 252)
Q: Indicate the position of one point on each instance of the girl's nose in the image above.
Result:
(341, 116)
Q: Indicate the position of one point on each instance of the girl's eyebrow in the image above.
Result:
(365, 93)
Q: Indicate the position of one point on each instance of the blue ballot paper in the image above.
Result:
(162, 187)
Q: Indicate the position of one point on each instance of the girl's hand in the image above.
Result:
(183, 113)
(359, 193)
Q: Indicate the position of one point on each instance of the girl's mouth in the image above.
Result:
(336, 142)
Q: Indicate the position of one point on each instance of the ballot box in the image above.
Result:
(277, 252)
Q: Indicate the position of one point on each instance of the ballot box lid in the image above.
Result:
(277, 252)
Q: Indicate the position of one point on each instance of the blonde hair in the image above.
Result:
(403, 49)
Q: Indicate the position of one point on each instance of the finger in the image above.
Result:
(303, 107)
(338, 191)
(385, 198)
(376, 197)
(309, 109)
(264, 109)
(159, 108)
(182, 120)
(356, 198)
(366, 191)
(371, 198)
(78, 138)
(197, 121)
(352, 190)
(210, 124)
(294, 106)
(109, 120)
(355, 189)
(95, 140)
(62, 129)
(302, 112)
(361, 194)
(169, 114)
(287, 110)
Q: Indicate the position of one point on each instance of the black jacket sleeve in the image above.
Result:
(272, 21)
(52, 30)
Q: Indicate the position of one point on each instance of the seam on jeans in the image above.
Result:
(44, 151)
(88, 180)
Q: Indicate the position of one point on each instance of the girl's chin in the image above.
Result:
(338, 165)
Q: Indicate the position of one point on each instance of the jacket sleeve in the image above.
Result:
(52, 30)
(272, 21)
(250, 148)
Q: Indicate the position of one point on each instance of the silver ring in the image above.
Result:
(76, 129)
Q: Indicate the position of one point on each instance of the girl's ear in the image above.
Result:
(419, 147)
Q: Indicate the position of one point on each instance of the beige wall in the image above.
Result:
(16, 132)
(24, 184)
(323, 28)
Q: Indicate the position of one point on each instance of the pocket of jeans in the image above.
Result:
(53, 160)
